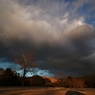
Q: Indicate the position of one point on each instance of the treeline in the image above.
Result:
(77, 82)
(12, 78)
(89, 81)
(71, 82)
(9, 77)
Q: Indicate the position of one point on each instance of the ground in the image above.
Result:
(45, 91)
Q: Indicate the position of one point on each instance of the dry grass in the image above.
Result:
(45, 91)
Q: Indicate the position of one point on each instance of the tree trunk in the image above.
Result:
(23, 78)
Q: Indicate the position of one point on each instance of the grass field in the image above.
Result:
(45, 91)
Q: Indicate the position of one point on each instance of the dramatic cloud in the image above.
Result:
(57, 31)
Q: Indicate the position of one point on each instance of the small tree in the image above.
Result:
(26, 60)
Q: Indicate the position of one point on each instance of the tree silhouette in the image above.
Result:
(25, 58)
(9, 77)
(1, 71)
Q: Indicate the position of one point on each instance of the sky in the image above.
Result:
(61, 32)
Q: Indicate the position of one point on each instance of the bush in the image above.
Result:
(36, 81)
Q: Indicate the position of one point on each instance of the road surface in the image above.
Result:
(45, 91)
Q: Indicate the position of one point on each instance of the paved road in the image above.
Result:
(45, 91)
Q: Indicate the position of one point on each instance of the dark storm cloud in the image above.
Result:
(62, 43)
(70, 57)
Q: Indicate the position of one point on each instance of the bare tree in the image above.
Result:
(25, 58)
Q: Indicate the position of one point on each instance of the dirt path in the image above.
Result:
(45, 91)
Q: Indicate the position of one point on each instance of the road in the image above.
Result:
(45, 91)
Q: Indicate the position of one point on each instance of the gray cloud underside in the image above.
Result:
(63, 43)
